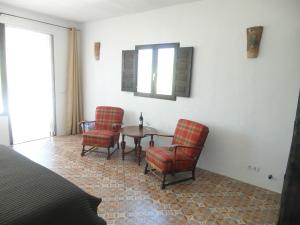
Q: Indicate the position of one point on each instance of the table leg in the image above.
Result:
(123, 144)
(151, 143)
(139, 150)
(136, 141)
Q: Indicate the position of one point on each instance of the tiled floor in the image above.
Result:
(132, 198)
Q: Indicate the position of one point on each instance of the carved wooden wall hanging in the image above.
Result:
(97, 46)
(253, 41)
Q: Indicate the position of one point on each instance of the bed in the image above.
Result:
(31, 194)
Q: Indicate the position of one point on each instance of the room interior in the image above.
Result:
(227, 89)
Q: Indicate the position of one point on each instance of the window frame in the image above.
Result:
(155, 48)
(3, 93)
(3, 72)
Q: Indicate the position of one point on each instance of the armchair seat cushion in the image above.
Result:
(100, 138)
(162, 159)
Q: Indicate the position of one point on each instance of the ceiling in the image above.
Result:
(87, 10)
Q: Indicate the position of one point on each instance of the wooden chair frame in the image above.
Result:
(109, 153)
(174, 149)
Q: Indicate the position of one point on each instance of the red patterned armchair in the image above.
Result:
(104, 132)
(182, 155)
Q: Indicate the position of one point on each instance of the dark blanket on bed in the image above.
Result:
(30, 194)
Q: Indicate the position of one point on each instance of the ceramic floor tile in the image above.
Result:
(131, 198)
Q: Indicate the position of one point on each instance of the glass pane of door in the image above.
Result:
(1, 97)
(30, 84)
(165, 64)
(144, 75)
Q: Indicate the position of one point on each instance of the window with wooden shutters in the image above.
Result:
(157, 71)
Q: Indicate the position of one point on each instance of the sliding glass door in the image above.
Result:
(30, 84)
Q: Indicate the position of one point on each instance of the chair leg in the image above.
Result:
(146, 169)
(193, 174)
(163, 185)
(108, 153)
(83, 149)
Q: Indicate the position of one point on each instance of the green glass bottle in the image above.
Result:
(141, 121)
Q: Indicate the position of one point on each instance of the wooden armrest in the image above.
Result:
(175, 146)
(172, 147)
(82, 124)
(116, 126)
(85, 121)
(163, 135)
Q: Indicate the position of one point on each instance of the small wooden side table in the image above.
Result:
(137, 134)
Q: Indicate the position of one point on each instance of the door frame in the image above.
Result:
(54, 131)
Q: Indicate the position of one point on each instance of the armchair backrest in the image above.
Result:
(190, 133)
(107, 116)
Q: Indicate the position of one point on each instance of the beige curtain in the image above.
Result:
(74, 97)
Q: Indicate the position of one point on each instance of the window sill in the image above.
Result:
(165, 97)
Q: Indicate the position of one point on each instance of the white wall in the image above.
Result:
(60, 37)
(4, 132)
(248, 104)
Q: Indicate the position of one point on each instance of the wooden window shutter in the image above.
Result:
(183, 72)
(129, 70)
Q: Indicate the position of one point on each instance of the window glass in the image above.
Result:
(165, 64)
(144, 79)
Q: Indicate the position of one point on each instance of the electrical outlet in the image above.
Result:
(273, 178)
(254, 168)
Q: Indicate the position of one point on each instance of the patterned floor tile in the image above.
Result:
(131, 198)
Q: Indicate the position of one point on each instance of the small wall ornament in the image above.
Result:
(254, 35)
(97, 46)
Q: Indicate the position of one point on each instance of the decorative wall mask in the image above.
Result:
(97, 46)
(253, 40)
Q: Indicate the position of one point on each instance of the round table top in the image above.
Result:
(135, 131)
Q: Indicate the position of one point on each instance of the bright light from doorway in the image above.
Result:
(30, 89)
(1, 97)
